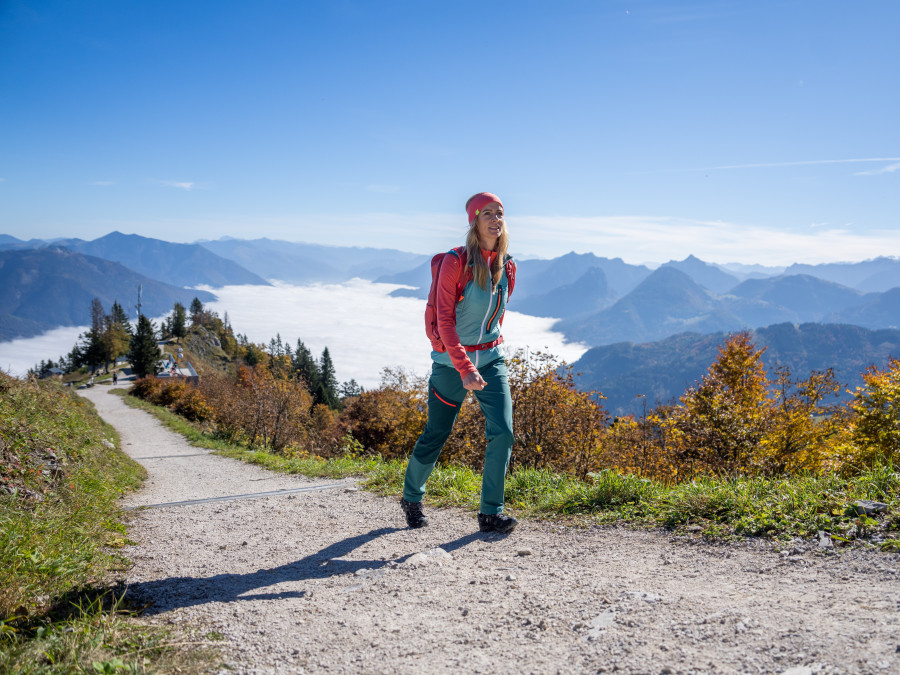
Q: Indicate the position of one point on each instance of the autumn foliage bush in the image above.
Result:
(734, 421)
(555, 425)
(875, 426)
(255, 408)
(388, 420)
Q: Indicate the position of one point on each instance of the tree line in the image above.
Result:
(111, 337)
(735, 421)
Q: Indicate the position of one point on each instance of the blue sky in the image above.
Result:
(758, 132)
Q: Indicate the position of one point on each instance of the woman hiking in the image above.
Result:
(470, 293)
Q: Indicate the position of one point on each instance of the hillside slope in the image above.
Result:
(44, 288)
(176, 264)
(632, 375)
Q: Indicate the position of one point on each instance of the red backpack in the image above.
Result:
(431, 329)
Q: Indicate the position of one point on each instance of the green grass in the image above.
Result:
(719, 508)
(61, 609)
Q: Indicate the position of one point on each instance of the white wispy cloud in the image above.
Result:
(182, 185)
(639, 239)
(890, 168)
(635, 239)
(810, 162)
(2, 180)
(102, 183)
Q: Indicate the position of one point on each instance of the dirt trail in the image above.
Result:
(332, 581)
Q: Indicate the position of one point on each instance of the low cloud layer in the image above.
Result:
(17, 356)
(364, 328)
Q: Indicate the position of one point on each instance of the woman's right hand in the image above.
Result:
(474, 382)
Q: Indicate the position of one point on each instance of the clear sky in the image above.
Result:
(759, 132)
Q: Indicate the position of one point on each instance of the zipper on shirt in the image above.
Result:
(496, 311)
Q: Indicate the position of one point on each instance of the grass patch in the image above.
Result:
(60, 525)
(721, 508)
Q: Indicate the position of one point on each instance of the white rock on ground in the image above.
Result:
(321, 581)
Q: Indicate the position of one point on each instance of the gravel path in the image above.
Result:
(332, 581)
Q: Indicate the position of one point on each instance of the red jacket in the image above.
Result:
(452, 284)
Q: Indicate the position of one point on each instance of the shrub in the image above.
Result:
(387, 421)
(720, 422)
(640, 447)
(876, 405)
(192, 405)
(737, 421)
(555, 425)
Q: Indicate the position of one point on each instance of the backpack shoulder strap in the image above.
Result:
(510, 273)
(465, 271)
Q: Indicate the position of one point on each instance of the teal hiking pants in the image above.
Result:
(445, 396)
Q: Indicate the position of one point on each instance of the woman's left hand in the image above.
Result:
(474, 382)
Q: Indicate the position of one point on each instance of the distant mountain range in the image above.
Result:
(46, 284)
(670, 301)
(177, 264)
(603, 301)
(632, 375)
(44, 288)
(299, 263)
(598, 301)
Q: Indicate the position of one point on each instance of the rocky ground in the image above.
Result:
(331, 580)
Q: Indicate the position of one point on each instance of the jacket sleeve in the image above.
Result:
(445, 307)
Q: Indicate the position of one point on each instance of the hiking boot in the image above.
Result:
(498, 522)
(414, 516)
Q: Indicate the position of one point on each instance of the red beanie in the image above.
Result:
(478, 202)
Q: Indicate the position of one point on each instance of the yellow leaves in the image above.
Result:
(876, 429)
(388, 420)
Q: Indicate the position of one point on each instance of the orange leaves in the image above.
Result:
(387, 421)
(738, 421)
(555, 425)
(876, 428)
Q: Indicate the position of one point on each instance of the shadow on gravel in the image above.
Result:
(167, 594)
(457, 544)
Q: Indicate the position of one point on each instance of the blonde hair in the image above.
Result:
(480, 270)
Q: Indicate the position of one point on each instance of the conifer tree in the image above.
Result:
(178, 326)
(144, 351)
(350, 389)
(196, 312)
(305, 366)
(91, 350)
(326, 392)
(117, 315)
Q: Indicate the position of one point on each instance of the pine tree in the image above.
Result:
(306, 367)
(117, 315)
(196, 312)
(326, 391)
(144, 351)
(350, 389)
(178, 321)
(91, 349)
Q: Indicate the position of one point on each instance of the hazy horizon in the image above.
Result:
(833, 259)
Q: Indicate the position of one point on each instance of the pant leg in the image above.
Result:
(445, 397)
(496, 404)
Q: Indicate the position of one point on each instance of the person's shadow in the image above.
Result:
(167, 594)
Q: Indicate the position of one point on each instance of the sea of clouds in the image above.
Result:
(364, 328)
